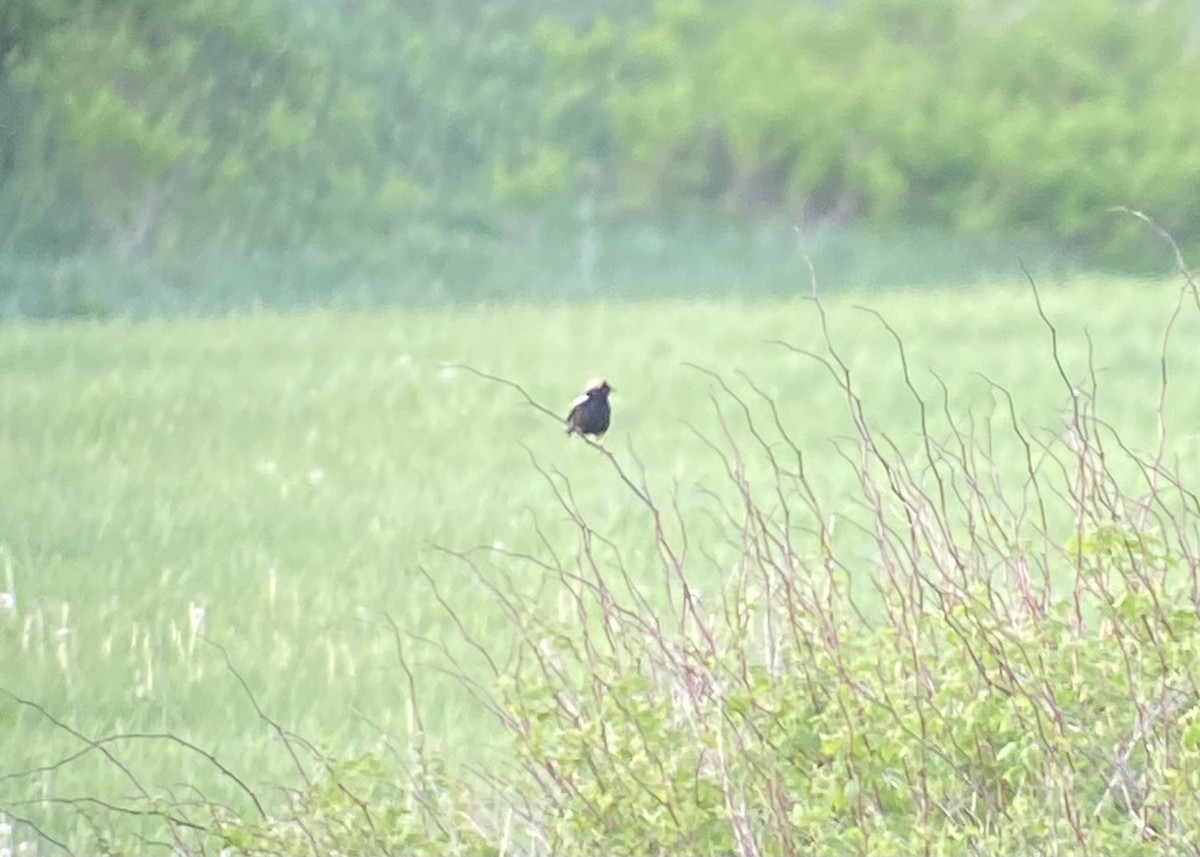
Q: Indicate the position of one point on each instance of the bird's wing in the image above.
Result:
(575, 404)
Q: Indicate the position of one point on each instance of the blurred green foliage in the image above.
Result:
(179, 136)
(980, 117)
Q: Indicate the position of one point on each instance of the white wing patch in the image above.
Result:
(579, 401)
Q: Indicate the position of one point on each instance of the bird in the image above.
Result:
(590, 413)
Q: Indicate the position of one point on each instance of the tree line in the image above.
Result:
(159, 130)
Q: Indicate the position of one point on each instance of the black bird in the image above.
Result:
(591, 412)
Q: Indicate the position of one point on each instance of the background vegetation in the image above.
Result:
(204, 154)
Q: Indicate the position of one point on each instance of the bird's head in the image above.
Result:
(598, 387)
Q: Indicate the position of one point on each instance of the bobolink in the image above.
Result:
(590, 413)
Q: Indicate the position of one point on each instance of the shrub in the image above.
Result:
(1017, 676)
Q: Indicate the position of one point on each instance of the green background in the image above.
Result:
(201, 155)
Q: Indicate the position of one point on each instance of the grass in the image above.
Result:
(556, 257)
(293, 477)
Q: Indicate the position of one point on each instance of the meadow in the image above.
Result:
(292, 488)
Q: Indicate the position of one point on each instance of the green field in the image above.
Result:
(292, 475)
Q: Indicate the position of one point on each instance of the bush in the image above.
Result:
(1021, 679)
(841, 112)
